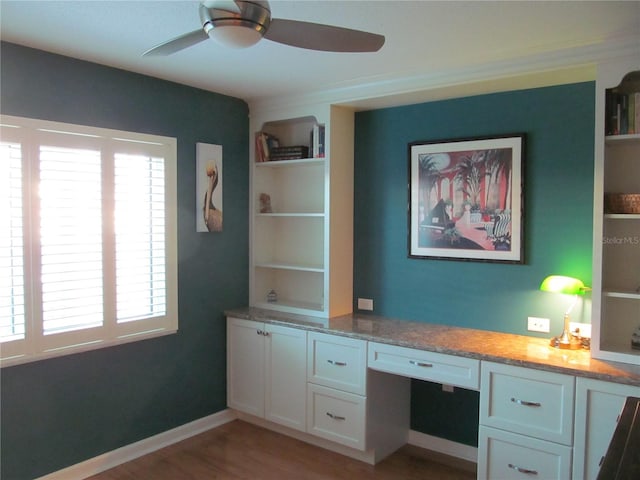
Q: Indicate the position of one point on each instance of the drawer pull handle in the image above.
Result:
(522, 470)
(525, 403)
(420, 364)
(262, 332)
(339, 364)
(335, 417)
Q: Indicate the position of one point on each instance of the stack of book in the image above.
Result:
(293, 152)
(265, 143)
(317, 141)
(622, 113)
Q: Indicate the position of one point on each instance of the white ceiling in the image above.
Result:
(428, 44)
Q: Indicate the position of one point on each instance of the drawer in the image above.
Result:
(531, 402)
(506, 455)
(430, 366)
(337, 362)
(336, 416)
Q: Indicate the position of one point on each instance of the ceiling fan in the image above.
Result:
(242, 23)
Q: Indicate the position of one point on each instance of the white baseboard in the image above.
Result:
(441, 445)
(130, 452)
(112, 459)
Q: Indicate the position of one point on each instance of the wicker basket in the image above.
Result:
(622, 202)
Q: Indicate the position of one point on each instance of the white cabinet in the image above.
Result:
(616, 257)
(523, 410)
(302, 246)
(266, 371)
(598, 405)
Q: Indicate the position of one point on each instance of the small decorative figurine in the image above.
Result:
(272, 296)
(265, 203)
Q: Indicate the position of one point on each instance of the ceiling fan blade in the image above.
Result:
(177, 44)
(315, 36)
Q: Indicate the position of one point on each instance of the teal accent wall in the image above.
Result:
(59, 412)
(558, 222)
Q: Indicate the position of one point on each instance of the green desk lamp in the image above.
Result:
(570, 286)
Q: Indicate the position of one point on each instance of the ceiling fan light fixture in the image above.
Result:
(237, 29)
(234, 35)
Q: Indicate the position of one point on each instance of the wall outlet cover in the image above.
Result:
(365, 304)
(537, 324)
(580, 329)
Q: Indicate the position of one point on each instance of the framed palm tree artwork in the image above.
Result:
(466, 199)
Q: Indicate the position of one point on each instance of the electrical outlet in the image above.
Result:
(365, 304)
(580, 329)
(537, 324)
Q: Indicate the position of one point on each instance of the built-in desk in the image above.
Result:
(569, 398)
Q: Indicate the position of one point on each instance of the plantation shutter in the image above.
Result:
(70, 238)
(140, 237)
(12, 294)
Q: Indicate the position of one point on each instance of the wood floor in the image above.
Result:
(239, 450)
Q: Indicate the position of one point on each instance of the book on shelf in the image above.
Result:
(622, 113)
(317, 141)
(292, 152)
(265, 144)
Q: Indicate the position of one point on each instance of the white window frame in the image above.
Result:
(35, 345)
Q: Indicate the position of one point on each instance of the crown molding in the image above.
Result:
(561, 66)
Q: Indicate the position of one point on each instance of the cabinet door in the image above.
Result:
(286, 374)
(245, 366)
(598, 405)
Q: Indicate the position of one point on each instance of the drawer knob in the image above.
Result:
(420, 364)
(522, 470)
(335, 417)
(525, 403)
(339, 364)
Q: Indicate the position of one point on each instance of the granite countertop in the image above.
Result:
(518, 350)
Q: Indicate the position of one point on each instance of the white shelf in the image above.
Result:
(291, 306)
(622, 348)
(296, 215)
(621, 294)
(290, 266)
(622, 216)
(290, 163)
(619, 139)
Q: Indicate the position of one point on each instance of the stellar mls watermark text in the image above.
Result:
(630, 240)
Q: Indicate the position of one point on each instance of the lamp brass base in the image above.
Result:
(571, 343)
(566, 340)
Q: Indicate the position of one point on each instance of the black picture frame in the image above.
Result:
(466, 199)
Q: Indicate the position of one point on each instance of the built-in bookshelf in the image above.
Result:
(616, 276)
(301, 242)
